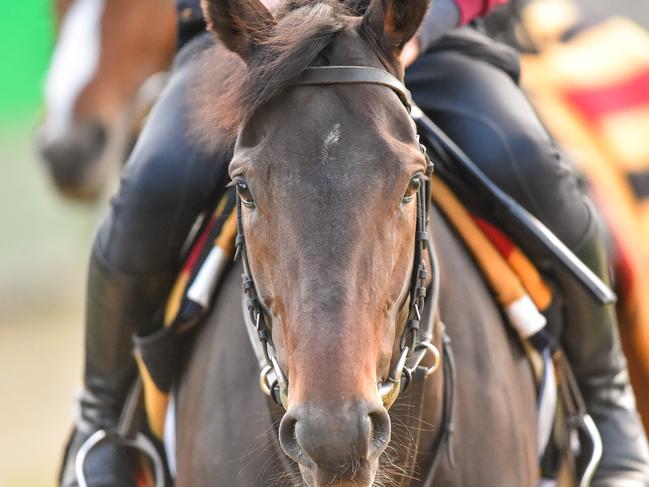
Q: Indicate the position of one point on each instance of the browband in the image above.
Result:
(330, 75)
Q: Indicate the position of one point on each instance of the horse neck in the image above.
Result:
(494, 381)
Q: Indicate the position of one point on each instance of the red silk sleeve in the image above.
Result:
(470, 9)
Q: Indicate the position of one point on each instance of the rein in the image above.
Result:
(415, 341)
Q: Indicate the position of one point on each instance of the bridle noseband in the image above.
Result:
(414, 344)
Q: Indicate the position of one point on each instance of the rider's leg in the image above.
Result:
(482, 109)
(164, 187)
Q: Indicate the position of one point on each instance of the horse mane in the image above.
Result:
(229, 91)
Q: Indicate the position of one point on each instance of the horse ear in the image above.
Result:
(239, 24)
(395, 21)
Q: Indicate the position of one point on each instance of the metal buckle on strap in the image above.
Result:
(434, 352)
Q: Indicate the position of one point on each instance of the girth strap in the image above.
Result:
(341, 75)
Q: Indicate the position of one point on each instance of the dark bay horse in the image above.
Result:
(105, 51)
(326, 177)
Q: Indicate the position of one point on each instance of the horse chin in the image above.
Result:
(363, 476)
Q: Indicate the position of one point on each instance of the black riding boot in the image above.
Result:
(591, 341)
(116, 305)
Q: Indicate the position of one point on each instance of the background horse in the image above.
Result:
(326, 178)
(105, 51)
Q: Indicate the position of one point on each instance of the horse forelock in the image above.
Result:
(230, 91)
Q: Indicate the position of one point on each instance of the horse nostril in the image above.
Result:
(380, 431)
(289, 442)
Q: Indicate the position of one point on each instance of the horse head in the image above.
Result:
(327, 178)
(105, 51)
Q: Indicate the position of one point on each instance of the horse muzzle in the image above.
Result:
(339, 444)
(73, 156)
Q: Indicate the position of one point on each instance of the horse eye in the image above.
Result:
(413, 188)
(245, 195)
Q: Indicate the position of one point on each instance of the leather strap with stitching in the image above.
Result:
(329, 75)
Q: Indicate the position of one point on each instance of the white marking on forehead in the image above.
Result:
(330, 140)
(332, 137)
(74, 61)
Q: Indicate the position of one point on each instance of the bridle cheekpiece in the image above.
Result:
(414, 343)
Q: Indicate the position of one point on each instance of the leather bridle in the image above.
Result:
(414, 344)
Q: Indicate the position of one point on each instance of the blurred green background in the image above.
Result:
(44, 242)
(26, 28)
(43, 248)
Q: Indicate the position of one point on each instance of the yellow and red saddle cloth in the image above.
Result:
(523, 295)
(190, 298)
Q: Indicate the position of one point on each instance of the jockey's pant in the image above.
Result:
(165, 185)
(485, 113)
